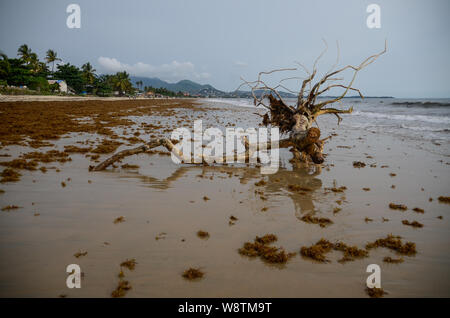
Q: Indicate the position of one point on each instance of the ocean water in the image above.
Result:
(426, 121)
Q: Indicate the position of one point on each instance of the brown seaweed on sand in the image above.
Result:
(394, 243)
(21, 164)
(261, 182)
(203, 234)
(120, 219)
(193, 273)
(317, 251)
(129, 263)
(75, 149)
(389, 259)
(121, 289)
(298, 188)
(413, 223)
(260, 248)
(375, 292)
(49, 156)
(395, 206)
(358, 164)
(79, 254)
(444, 199)
(335, 189)
(232, 220)
(128, 166)
(10, 175)
(10, 207)
(323, 222)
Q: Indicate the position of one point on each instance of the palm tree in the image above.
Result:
(88, 73)
(122, 82)
(25, 53)
(139, 84)
(52, 58)
(33, 60)
(5, 67)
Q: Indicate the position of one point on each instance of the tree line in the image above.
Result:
(27, 70)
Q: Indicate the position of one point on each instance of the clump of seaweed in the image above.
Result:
(121, 289)
(203, 234)
(9, 175)
(335, 189)
(161, 236)
(260, 248)
(395, 206)
(418, 210)
(358, 164)
(128, 166)
(20, 164)
(394, 243)
(443, 199)
(298, 188)
(107, 146)
(129, 263)
(10, 207)
(336, 210)
(389, 259)
(193, 273)
(375, 292)
(49, 156)
(75, 149)
(79, 254)
(232, 220)
(120, 219)
(323, 222)
(413, 223)
(367, 219)
(317, 251)
(261, 182)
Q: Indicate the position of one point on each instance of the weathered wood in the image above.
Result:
(127, 152)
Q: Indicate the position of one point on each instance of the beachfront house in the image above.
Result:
(62, 85)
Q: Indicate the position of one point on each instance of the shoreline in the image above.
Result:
(163, 208)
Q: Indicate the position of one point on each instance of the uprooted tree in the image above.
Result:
(294, 121)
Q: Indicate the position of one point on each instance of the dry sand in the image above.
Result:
(165, 201)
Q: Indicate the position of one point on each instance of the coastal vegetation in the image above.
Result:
(27, 74)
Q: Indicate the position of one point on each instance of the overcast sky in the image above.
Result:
(217, 42)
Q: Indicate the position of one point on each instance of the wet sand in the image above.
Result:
(162, 197)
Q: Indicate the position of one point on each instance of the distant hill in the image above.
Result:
(190, 87)
(194, 88)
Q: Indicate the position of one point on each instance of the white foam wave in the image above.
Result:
(424, 128)
(422, 118)
(235, 102)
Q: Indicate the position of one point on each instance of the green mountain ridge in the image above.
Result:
(193, 88)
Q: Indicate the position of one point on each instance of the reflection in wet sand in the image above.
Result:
(276, 184)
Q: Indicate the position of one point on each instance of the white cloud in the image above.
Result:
(173, 71)
(240, 64)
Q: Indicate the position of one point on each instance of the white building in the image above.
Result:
(62, 85)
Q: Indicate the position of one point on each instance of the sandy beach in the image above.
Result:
(63, 208)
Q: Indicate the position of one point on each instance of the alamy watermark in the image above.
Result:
(74, 278)
(374, 279)
(374, 18)
(260, 150)
(74, 19)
